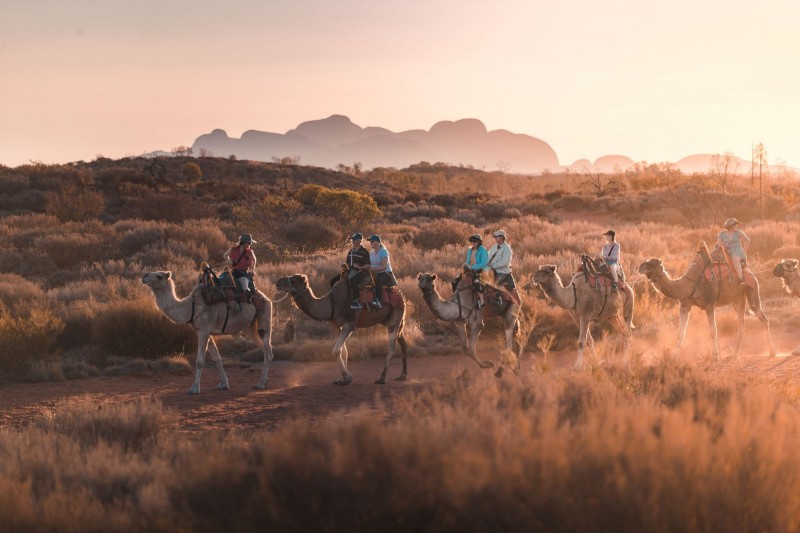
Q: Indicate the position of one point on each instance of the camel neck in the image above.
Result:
(444, 310)
(562, 296)
(167, 301)
(316, 308)
(677, 289)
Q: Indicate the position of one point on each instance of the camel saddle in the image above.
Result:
(222, 289)
(490, 292)
(391, 297)
(597, 273)
(721, 271)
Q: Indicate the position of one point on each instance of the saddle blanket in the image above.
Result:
(721, 271)
(391, 297)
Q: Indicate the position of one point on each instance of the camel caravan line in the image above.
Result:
(219, 306)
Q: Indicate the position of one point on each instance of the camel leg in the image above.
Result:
(773, 351)
(268, 357)
(712, 328)
(339, 349)
(393, 333)
(202, 346)
(511, 326)
(401, 340)
(622, 326)
(223, 379)
(740, 319)
(590, 344)
(474, 333)
(684, 323)
(461, 329)
(583, 333)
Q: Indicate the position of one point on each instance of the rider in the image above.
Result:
(242, 262)
(382, 267)
(476, 262)
(358, 265)
(736, 242)
(500, 255)
(611, 255)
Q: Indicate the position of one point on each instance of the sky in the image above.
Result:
(655, 81)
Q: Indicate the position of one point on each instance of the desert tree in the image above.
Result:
(724, 167)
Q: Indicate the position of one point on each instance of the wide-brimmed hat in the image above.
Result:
(731, 222)
(356, 237)
(499, 233)
(374, 238)
(246, 237)
(610, 232)
(475, 237)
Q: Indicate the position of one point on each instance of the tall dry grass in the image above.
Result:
(663, 448)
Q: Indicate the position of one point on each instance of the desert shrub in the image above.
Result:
(15, 288)
(12, 184)
(75, 203)
(77, 330)
(309, 233)
(444, 232)
(27, 336)
(192, 172)
(136, 239)
(137, 329)
(69, 250)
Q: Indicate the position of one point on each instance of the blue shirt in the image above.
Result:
(481, 258)
(376, 258)
(733, 243)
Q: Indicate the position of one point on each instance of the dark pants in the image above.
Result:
(505, 280)
(243, 274)
(353, 282)
(383, 279)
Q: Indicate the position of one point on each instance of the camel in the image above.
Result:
(693, 289)
(468, 320)
(334, 307)
(208, 320)
(586, 303)
(788, 272)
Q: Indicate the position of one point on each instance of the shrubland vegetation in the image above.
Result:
(75, 240)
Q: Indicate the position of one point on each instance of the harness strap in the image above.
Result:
(192, 318)
(227, 313)
(575, 295)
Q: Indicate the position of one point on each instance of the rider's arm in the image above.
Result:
(745, 240)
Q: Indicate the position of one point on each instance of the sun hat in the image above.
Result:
(731, 222)
(475, 237)
(246, 237)
(375, 238)
(499, 233)
(356, 237)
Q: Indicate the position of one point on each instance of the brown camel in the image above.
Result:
(461, 310)
(694, 289)
(214, 319)
(788, 272)
(586, 303)
(334, 307)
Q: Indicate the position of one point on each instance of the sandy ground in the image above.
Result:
(307, 390)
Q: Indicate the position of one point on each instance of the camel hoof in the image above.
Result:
(344, 380)
(401, 377)
(487, 364)
(261, 386)
(222, 386)
(577, 366)
(380, 381)
(499, 373)
(193, 390)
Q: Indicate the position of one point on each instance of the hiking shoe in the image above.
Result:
(498, 302)
(479, 305)
(614, 286)
(356, 305)
(376, 304)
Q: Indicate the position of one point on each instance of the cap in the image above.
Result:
(475, 237)
(375, 238)
(610, 232)
(356, 237)
(499, 233)
(731, 222)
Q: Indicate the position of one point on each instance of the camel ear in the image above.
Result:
(433, 277)
(659, 262)
(793, 262)
(168, 274)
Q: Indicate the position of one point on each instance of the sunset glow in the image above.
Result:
(655, 81)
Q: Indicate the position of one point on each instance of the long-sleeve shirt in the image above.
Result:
(480, 261)
(500, 258)
(611, 252)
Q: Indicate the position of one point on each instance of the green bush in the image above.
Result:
(137, 329)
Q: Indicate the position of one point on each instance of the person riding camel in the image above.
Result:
(476, 262)
(382, 267)
(358, 265)
(736, 243)
(611, 255)
(242, 262)
(500, 255)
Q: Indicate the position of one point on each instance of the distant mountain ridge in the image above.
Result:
(337, 140)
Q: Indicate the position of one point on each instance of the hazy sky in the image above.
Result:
(652, 80)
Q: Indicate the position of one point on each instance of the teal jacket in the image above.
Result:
(481, 258)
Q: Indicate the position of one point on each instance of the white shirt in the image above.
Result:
(500, 258)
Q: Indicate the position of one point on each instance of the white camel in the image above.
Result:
(215, 319)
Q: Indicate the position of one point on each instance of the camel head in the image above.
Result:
(425, 282)
(545, 274)
(294, 284)
(786, 266)
(652, 269)
(157, 281)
